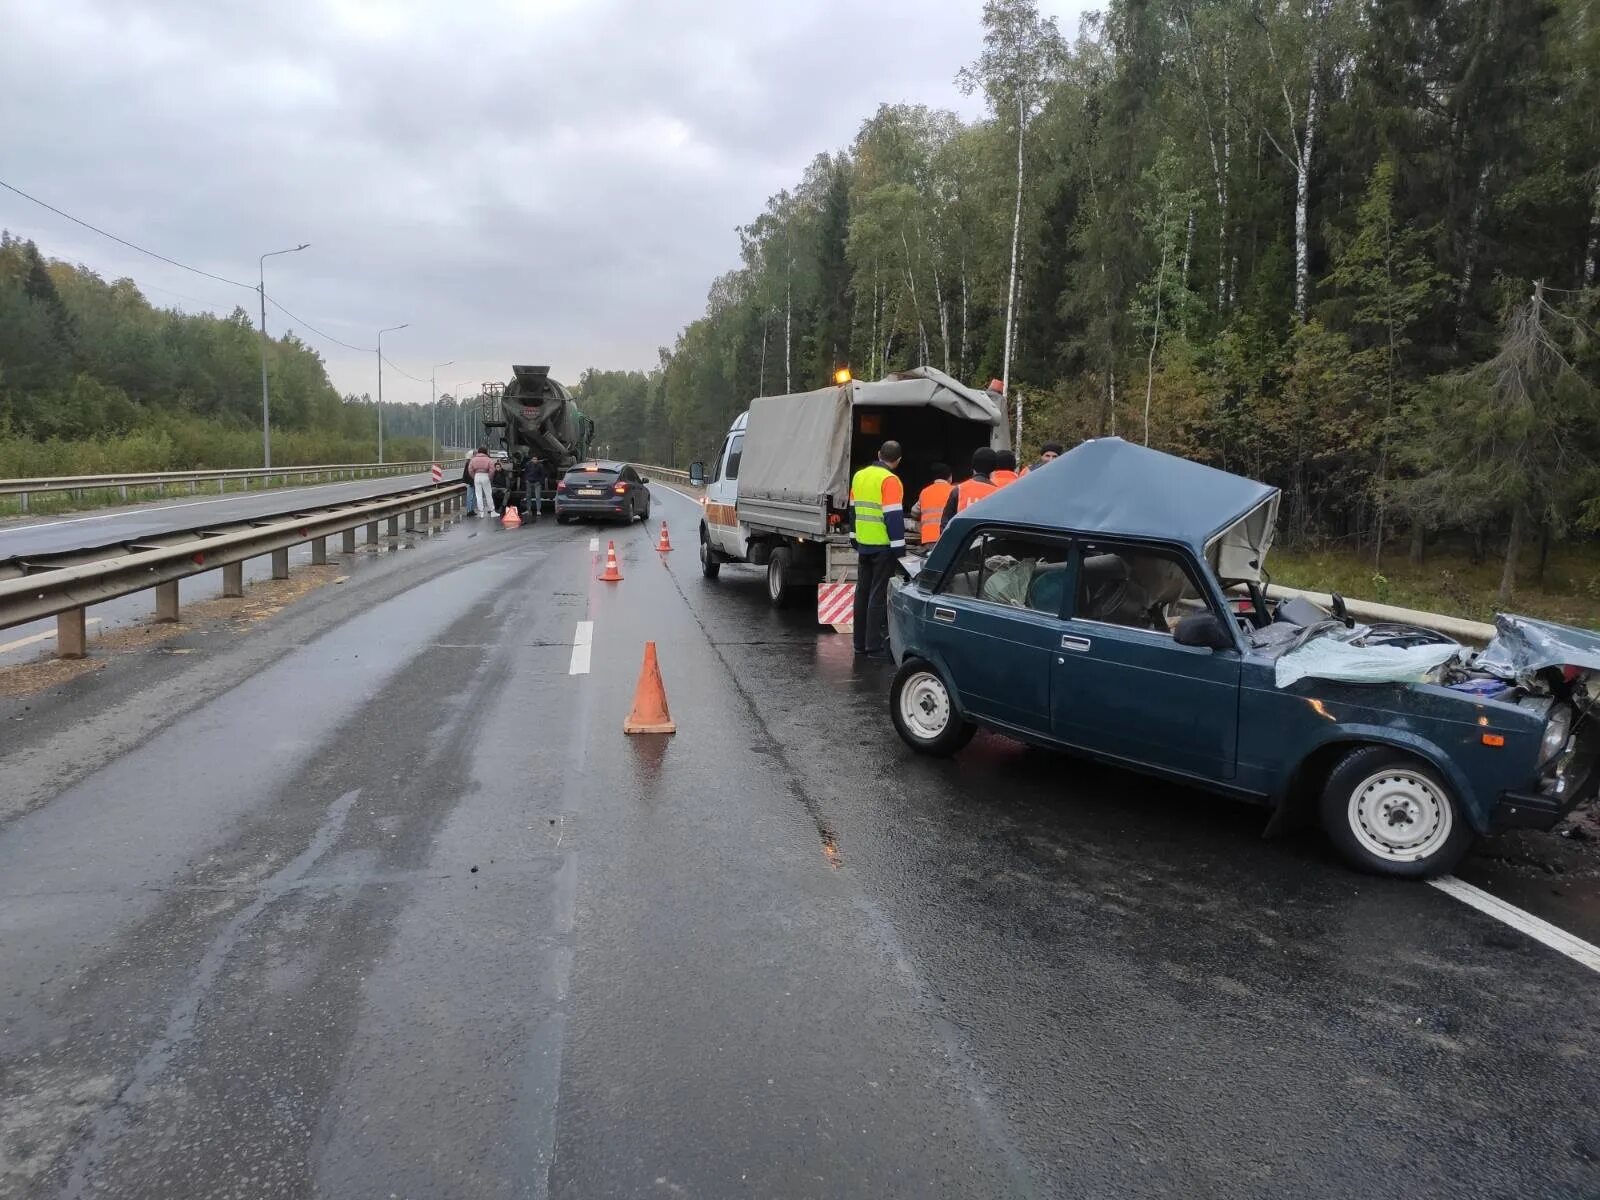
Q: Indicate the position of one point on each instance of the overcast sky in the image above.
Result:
(536, 181)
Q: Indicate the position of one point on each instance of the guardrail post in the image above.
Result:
(123, 491)
(411, 520)
(233, 579)
(319, 552)
(372, 533)
(24, 501)
(193, 487)
(72, 634)
(222, 485)
(167, 600)
(394, 527)
(280, 564)
(348, 546)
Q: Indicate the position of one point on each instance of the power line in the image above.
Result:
(122, 241)
(406, 374)
(318, 332)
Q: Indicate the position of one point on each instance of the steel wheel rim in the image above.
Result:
(1400, 815)
(774, 580)
(925, 706)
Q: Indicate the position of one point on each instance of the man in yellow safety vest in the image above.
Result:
(877, 514)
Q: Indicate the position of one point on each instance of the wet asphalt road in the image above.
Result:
(378, 901)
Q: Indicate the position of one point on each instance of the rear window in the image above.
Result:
(594, 475)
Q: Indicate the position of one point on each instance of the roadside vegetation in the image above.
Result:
(1349, 249)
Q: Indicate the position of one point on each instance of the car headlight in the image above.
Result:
(1556, 732)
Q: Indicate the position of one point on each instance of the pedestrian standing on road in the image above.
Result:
(970, 491)
(1005, 468)
(878, 520)
(481, 467)
(472, 492)
(928, 511)
(1048, 452)
(533, 477)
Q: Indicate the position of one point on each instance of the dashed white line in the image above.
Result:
(38, 637)
(594, 544)
(582, 643)
(1557, 939)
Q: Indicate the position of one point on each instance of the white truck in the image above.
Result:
(779, 491)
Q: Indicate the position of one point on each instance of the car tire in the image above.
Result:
(710, 566)
(1390, 813)
(924, 715)
(781, 589)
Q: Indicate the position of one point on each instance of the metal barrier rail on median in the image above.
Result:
(666, 474)
(64, 583)
(76, 484)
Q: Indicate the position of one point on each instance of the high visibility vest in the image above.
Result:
(970, 491)
(932, 500)
(1003, 477)
(874, 490)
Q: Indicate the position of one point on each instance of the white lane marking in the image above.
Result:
(38, 637)
(594, 544)
(158, 506)
(582, 644)
(1557, 939)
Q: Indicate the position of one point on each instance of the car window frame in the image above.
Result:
(1199, 572)
(735, 455)
(1062, 540)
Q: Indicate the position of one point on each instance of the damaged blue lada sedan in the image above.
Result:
(1114, 603)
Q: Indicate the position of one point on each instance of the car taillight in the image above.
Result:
(620, 489)
(561, 485)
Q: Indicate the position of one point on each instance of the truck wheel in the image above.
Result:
(924, 715)
(781, 590)
(710, 567)
(1388, 813)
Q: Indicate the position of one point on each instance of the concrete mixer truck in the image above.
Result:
(534, 415)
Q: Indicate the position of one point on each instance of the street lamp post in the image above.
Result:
(433, 381)
(463, 419)
(381, 332)
(261, 288)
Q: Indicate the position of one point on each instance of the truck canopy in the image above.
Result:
(800, 450)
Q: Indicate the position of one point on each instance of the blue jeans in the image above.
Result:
(535, 499)
(472, 499)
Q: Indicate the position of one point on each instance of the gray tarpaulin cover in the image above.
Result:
(1331, 655)
(797, 448)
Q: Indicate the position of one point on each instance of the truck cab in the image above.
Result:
(720, 531)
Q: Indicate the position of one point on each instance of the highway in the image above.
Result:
(374, 899)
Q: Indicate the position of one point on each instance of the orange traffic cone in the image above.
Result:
(611, 574)
(649, 713)
(511, 518)
(665, 543)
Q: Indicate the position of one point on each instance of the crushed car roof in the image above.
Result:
(1111, 486)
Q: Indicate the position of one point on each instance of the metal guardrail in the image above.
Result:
(62, 584)
(77, 484)
(666, 474)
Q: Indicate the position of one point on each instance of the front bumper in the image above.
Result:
(1529, 810)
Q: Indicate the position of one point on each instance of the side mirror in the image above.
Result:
(697, 474)
(644, 479)
(1203, 629)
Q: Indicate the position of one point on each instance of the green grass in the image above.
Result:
(1449, 583)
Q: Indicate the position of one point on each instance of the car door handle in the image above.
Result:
(946, 615)
(1080, 644)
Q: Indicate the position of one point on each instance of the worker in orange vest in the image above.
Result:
(1005, 468)
(970, 491)
(928, 511)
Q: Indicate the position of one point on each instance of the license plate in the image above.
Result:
(590, 492)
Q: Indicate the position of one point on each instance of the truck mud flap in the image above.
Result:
(836, 606)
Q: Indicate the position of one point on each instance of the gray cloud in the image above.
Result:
(553, 181)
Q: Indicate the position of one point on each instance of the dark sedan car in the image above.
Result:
(602, 489)
(1115, 605)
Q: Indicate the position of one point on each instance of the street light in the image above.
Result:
(261, 287)
(433, 380)
(464, 420)
(381, 332)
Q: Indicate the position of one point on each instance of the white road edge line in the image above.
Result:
(38, 637)
(1557, 939)
(582, 644)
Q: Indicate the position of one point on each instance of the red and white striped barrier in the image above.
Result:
(437, 473)
(836, 605)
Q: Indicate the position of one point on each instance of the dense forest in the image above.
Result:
(1349, 248)
(95, 378)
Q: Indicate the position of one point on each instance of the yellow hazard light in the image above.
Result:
(842, 376)
(1493, 739)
